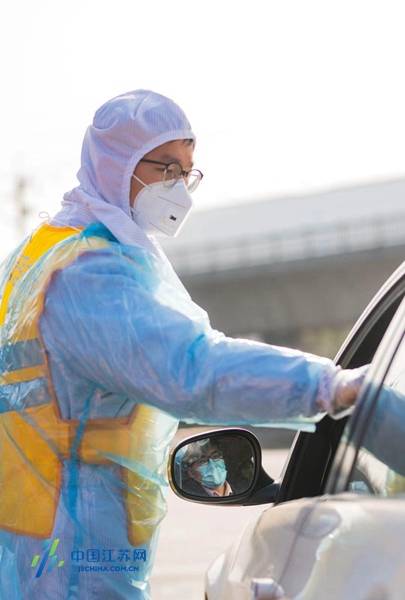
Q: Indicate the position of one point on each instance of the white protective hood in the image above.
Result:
(124, 129)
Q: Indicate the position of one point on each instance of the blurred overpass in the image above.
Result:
(278, 267)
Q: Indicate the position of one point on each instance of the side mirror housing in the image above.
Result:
(221, 467)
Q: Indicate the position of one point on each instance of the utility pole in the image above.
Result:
(21, 208)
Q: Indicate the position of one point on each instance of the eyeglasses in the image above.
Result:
(173, 171)
(215, 455)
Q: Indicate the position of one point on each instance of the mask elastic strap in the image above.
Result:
(140, 180)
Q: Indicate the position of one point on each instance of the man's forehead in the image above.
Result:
(168, 158)
(197, 452)
(175, 151)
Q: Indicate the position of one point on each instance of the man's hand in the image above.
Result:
(347, 385)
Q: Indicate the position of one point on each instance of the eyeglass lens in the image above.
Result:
(173, 172)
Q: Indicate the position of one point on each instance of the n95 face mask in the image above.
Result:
(162, 210)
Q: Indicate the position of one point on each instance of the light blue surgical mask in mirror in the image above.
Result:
(212, 473)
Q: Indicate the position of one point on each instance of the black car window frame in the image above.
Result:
(307, 471)
(342, 471)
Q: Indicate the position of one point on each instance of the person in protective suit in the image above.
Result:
(103, 351)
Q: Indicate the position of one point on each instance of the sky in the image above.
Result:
(284, 96)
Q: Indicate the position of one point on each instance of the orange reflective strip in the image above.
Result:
(21, 375)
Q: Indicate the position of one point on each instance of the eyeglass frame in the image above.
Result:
(183, 173)
(202, 461)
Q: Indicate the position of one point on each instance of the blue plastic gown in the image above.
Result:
(120, 329)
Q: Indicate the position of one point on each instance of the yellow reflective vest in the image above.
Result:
(34, 438)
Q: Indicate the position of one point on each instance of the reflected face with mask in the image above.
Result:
(161, 186)
(209, 470)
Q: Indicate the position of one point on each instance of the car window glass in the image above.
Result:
(380, 463)
(317, 463)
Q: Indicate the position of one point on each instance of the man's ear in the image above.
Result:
(190, 472)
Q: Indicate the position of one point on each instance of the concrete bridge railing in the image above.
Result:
(341, 238)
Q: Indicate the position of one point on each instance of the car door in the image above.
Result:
(351, 543)
(283, 543)
(312, 454)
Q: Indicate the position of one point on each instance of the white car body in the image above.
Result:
(331, 548)
(348, 541)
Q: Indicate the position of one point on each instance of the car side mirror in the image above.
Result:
(221, 467)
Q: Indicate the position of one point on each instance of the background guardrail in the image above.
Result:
(339, 238)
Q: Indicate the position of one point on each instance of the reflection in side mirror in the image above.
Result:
(215, 466)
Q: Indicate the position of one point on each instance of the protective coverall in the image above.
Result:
(102, 352)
